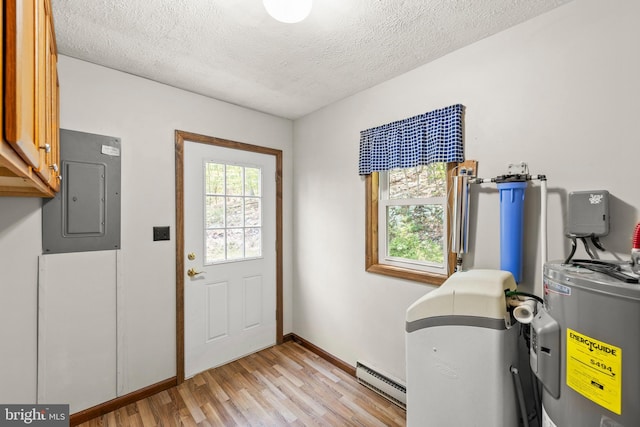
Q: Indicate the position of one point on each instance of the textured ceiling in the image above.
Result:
(233, 51)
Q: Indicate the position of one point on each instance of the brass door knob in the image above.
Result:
(192, 272)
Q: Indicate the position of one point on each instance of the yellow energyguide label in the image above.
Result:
(594, 369)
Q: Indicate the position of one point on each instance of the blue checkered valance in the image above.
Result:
(431, 137)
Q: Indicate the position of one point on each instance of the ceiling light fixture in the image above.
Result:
(288, 11)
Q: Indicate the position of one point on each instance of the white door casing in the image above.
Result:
(229, 306)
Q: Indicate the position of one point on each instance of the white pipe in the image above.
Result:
(543, 235)
(481, 180)
(465, 215)
(525, 311)
(460, 215)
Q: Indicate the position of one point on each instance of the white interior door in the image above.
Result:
(230, 254)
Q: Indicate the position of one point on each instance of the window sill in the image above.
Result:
(407, 274)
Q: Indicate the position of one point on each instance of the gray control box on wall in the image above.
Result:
(85, 214)
(588, 213)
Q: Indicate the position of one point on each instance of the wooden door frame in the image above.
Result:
(182, 137)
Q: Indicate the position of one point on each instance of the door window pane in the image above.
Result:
(252, 182)
(215, 212)
(235, 243)
(233, 212)
(252, 212)
(214, 178)
(234, 180)
(215, 244)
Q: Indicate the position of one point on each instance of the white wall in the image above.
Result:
(559, 92)
(144, 115)
(20, 245)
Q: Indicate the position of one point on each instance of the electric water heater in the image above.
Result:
(585, 347)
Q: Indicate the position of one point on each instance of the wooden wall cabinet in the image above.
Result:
(29, 147)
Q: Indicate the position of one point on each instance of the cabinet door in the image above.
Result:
(53, 127)
(42, 89)
(47, 106)
(53, 123)
(20, 78)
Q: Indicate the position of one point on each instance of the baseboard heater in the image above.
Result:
(385, 385)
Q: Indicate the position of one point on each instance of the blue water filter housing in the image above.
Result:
(511, 226)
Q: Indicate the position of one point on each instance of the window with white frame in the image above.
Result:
(412, 218)
(233, 212)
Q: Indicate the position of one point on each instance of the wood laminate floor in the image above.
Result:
(285, 385)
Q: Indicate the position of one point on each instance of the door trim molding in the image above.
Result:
(182, 137)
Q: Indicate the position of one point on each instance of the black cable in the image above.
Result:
(596, 242)
(587, 248)
(583, 237)
(536, 396)
(605, 267)
(521, 405)
(525, 331)
(573, 250)
(610, 264)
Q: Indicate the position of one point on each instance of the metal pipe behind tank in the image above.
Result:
(455, 234)
(543, 233)
(459, 244)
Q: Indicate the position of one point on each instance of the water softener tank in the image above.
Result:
(586, 349)
(461, 344)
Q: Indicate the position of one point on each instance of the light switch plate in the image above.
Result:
(161, 233)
